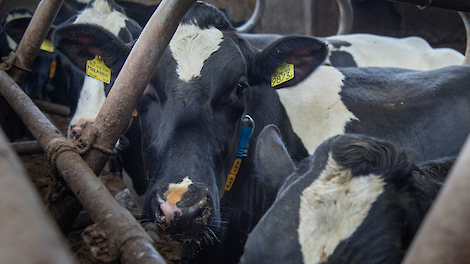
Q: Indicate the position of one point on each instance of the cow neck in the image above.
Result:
(246, 132)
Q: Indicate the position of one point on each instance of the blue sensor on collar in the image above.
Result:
(248, 126)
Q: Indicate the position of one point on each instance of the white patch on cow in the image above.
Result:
(10, 17)
(91, 100)
(103, 15)
(176, 190)
(412, 53)
(332, 208)
(191, 46)
(314, 107)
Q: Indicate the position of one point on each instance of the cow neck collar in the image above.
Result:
(246, 132)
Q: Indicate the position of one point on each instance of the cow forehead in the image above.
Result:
(103, 14)
(191, 46)
(332, 208)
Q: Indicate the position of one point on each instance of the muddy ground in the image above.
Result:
(38, 169)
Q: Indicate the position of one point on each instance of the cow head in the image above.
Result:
(357, 191)
(74, 39)
(207, 80)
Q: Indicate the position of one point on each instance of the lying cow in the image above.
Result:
(360, 200)
(368, 50)
(209, 78)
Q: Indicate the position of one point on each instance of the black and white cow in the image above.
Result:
(45, 81)
(368, 50)
(357, 199)
(86, 94)
(209, 78)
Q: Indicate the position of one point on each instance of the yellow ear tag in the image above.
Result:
(97, 69)
(47, 46)
(283, 73)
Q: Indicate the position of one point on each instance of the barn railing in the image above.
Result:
(131, 243)
(23, 217)
(458, 5)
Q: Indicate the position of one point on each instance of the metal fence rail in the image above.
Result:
(130, 241)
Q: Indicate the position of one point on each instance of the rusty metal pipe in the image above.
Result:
(458, 5)
(133, 245)
(121, 228)
(346, 17)
(35, 34)
(53, 108)
(27, 234)
(136, 73)
(444, 235)
(466, 22)
(255, 17)
(27, 147)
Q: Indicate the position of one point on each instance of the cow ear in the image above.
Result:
(273, 162)
(82, 42)
(304, 53)
(15, 29)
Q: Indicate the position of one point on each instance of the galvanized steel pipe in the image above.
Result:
(466, 21)
(255, 17)
(458, 5)
(346, 17)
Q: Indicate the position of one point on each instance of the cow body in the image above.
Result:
(360, 201)
(209, 78)
(368, 50)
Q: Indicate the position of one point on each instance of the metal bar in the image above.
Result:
(27, 147)
(458, 5)
(53, 108)
(136, 72)
(120, 225)
(255, 17)
(466, 22)
(308, 17)
(35, 34)
(346, 17)
(444, 235)
(27, 234)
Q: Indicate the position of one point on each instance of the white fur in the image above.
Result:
(191, 46)
(314, 107)
(332, 208)
(101, 14)
(412, 53)
(91, 100)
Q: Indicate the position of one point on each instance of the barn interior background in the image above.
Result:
(440, 27)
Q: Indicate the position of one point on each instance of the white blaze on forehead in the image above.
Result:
(91, 100)
(314, 107)
(103, 15)
(332, 208)
(176, 190)
(191, 46)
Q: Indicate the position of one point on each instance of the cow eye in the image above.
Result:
(241, 87)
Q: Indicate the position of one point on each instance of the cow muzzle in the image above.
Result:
(184, 210)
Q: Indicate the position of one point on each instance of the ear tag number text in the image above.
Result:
(97, 69)
(283, 73)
